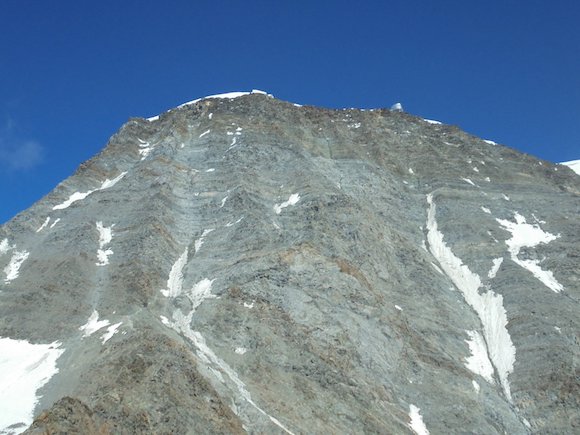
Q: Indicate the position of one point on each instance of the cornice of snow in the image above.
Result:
(573, 164)
(228, 95)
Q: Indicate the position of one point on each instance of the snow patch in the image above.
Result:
(54, 223)
(12, 270)
(200, 292)
(105, 237)
(145, 148)
(431, 121)
(241, 350)
(5, 246)
(416, 423)
(411, 171)
(475, 386)
(398, 308)
(204, 133)
(489, 142)
(223, 202)
(175, 280)
(486, 210)
(488, 306)
(525, 235)
(494, 269)
(210, 170)
(292, 200)
(467, 180)
(24, 369)
(93, 324)
(479, 362)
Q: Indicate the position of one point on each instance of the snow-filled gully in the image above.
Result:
(496, 345)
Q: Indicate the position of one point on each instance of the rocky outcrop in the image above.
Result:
(248, 265)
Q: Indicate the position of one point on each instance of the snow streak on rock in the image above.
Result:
(13, 269)
(43, 226)
(416, 423)
(24, 368)
(175, 280)
(488, 306)
(199, 242)
(182, 324)
(110, 183)
(105, 237)
(525, 235)
(216, 365)
(292, 200)
(77, 196)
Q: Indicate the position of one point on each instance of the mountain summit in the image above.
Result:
(243, 264)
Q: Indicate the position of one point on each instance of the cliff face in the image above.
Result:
(247, 265)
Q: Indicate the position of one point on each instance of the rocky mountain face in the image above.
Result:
(243, 264)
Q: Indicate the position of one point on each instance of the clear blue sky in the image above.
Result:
(72, 72)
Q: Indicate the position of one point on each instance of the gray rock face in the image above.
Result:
(247, 265)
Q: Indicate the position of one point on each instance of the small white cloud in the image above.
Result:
(20, 156)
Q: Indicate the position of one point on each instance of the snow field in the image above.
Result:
(24, 369)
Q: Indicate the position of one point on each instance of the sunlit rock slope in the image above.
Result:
(243, 264)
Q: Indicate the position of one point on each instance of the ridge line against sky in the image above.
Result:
(72, 74)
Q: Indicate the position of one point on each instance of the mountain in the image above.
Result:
(244, 264)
